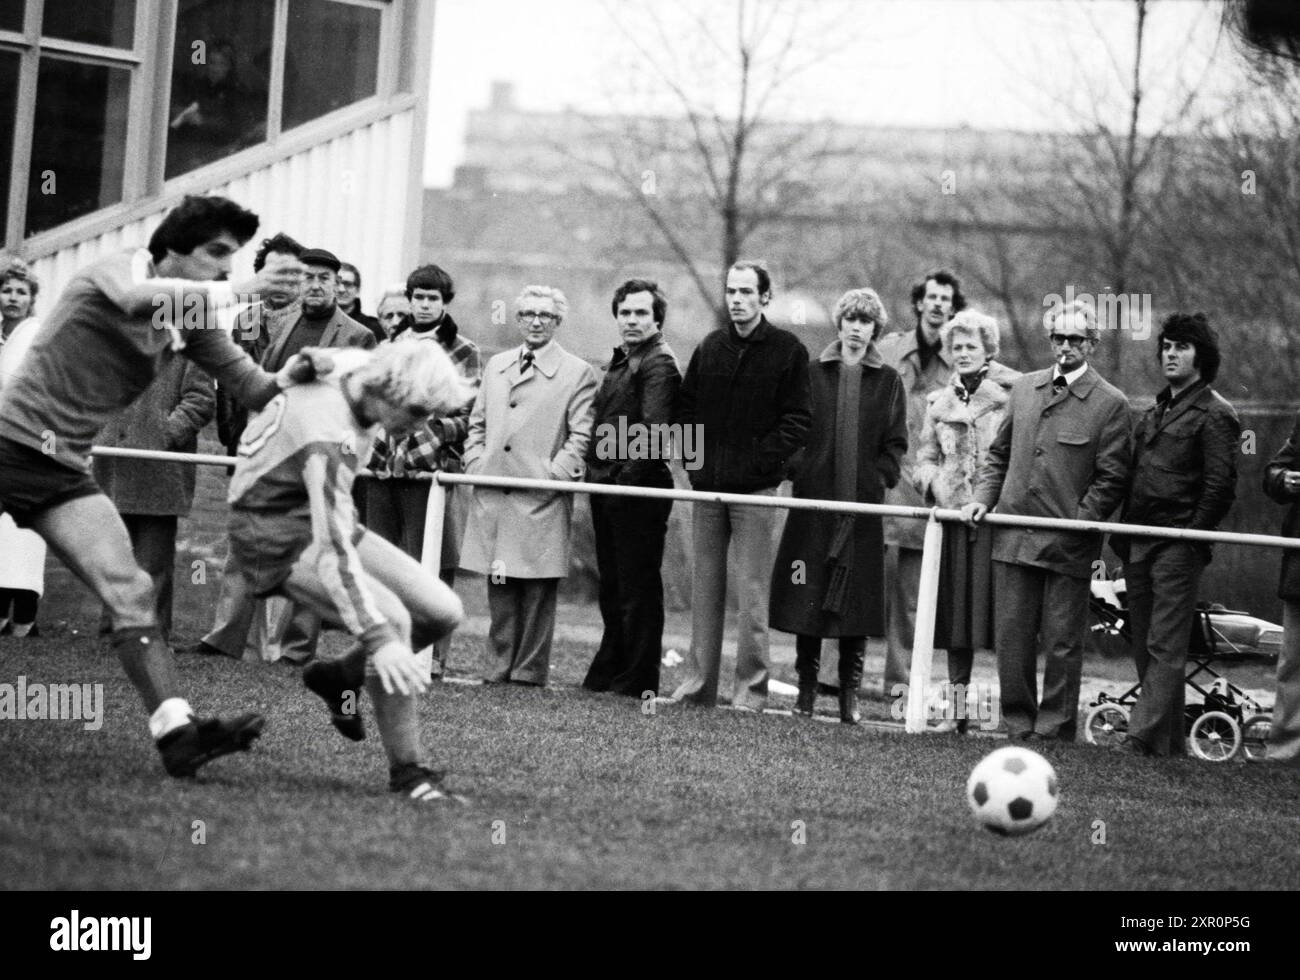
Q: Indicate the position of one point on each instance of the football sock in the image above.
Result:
(398, 719)
(148, 663)
(172, 714)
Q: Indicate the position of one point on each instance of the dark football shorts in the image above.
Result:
(267, 544)
(32, 482)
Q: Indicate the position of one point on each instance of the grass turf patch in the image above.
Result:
(574, 790)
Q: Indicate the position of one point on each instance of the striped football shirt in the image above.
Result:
(292, 489)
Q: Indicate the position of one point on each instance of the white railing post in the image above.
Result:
(927, 601)
(431, 553)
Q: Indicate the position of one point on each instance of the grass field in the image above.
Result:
(571, 790)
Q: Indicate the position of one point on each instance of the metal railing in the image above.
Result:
(935, 518)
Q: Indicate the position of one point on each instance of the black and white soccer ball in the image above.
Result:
(1012, 791)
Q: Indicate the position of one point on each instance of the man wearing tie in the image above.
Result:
(1063, 450)
(532, 419)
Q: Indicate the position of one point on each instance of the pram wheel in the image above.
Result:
(1106, 724)
(1215, 737)
(1254, 737)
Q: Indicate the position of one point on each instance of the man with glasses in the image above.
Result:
(531, 419)
(349, 288)
(1064, 450)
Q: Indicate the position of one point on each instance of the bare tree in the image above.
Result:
(713, 163)
(1105, 187)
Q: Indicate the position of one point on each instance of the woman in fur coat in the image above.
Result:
(961, 420)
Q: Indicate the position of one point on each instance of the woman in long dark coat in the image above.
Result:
(828, 580)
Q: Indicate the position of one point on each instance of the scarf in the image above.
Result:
(839, 558)
(967, 387)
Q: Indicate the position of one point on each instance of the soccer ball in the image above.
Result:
(1012, 791)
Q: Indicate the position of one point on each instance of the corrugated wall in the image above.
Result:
(347, 194)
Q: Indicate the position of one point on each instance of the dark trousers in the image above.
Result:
(522, 613)
(808, 655)
(20, 605)
(1162, 613)
(153, 542)
(396, 511)
(1037, 610)
(630, 536)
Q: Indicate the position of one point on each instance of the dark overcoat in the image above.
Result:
(802, 573)
(168, 416)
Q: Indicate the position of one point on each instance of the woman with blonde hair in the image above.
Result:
(829, 575)
(961, 420)
(22, 553)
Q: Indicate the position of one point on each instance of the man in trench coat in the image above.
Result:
(1063, 450)
(532, 418)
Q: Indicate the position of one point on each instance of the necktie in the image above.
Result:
(1059, 383)
(528, 361)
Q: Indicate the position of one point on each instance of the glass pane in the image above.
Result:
(332, 58)
(8, 104)
(108, 22)
(11, 15)
(221, 67)
(79, 147)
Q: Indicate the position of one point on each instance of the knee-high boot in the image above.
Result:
(808, 656)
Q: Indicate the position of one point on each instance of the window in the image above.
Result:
(224, 72)
(331, 58)
(11, 15)
(79, 148)
(74, 124)
(81, 117)
(221, 69)
(110, 23)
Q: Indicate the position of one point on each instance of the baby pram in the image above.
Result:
(1226, 722)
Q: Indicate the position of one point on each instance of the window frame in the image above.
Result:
(150, 63)
(31, 47)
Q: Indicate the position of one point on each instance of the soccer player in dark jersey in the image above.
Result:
(118, 323)
(293, 529)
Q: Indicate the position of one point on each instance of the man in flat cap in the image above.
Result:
(317, 322)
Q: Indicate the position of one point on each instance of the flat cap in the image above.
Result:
(319, 256)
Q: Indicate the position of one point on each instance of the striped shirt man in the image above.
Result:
(292, 491)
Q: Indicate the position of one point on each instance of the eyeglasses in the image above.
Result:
(1074, 340)
(528, 316)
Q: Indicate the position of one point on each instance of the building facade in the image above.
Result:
(309, 112)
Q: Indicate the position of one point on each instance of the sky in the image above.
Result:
(1017, 64)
